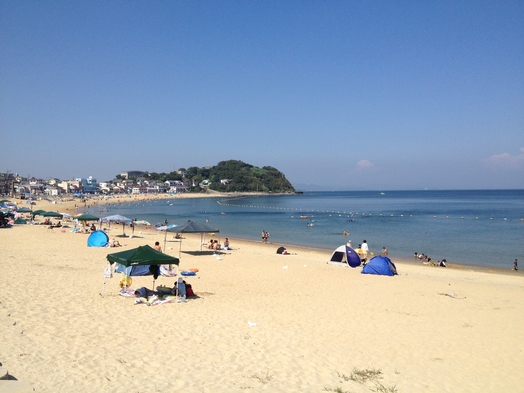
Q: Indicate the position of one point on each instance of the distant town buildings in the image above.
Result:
(131, 182)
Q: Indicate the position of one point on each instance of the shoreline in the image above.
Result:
(68, 206)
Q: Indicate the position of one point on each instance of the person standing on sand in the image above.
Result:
(516, 265)
(384, 251)
(364, 247)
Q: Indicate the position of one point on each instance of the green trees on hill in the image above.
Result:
(241, 177)
(231, 176)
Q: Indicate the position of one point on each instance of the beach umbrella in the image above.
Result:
(142, 222)
(194, 227)
(5, 201)
(117, 218)
(165, 228)
(23, 210)
(38, 212)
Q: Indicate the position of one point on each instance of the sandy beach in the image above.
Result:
(261, 322)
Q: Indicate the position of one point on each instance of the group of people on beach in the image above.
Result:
(214, 244)
(426, 260)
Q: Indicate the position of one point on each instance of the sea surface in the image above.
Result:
(470, 227)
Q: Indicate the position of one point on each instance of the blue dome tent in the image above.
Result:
(380, 265)
(97, 239)
(345, 256)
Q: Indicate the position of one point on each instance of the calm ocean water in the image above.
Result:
(471, 227)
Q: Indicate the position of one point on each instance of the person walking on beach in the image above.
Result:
(516, 265)
(384, 251)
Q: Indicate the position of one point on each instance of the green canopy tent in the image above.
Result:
(52, 214)
(86, 217)
(24, 210)
(38, 212)
(140, 256)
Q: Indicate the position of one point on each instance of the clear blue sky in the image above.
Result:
(335, 94)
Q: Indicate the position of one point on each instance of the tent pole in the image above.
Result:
(125, 287)
(104, 287)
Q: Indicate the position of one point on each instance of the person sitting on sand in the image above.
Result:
(114, 243)
(93, 228)
(180, 289)
(157, 247)
(216, 245)
(226, 244)
(210, 244)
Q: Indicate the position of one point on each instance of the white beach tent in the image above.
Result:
(345, 256)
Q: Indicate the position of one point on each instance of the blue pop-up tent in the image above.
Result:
(345, 256)
(380, 265)
(97, 239)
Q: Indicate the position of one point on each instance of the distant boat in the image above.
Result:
(304, 217)
(382, 193)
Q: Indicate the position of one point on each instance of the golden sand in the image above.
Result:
(261, 322)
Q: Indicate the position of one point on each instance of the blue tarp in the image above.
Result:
(380, 265)
(97, 239)
(138, 270)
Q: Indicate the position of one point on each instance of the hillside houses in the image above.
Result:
(13, 184)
